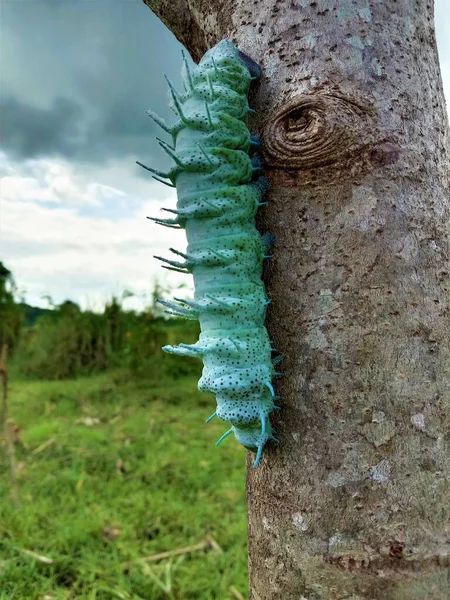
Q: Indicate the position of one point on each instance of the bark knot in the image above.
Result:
(325, 135)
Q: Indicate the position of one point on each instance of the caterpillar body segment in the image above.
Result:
(216, 168)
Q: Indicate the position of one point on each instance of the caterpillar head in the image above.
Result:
(226, 49)
(226, 58)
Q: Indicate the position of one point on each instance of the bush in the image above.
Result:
(69, 342)
(65, 345)
(145, 357)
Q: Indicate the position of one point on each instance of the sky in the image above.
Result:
(76, 79)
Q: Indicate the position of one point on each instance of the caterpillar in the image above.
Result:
(219, 188)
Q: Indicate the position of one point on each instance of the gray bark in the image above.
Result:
(354, 503)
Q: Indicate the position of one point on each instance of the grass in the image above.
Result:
(112, 470)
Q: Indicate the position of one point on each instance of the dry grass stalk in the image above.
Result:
(236, 593)
(39, 557)
(209, 543)
(43, 446)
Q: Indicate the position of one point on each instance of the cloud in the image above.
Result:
(52, 181)
(77, 78)
(29, 131)
(54, 247)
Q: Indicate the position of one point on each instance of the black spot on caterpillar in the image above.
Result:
(219, 192)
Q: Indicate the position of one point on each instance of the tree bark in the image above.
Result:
(355, 502)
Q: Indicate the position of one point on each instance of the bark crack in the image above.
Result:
(395, 564)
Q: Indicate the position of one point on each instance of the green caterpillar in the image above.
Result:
(219, 192)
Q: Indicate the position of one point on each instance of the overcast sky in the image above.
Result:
(76, 78)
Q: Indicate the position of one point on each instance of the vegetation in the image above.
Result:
(113, 469)
(11, 316)
(113, 462)
(32, 313)
(67, 342)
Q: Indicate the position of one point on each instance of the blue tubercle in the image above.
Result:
(256, 163)
(262, 183)
(255, 143)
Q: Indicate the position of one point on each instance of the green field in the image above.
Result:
(112, 470)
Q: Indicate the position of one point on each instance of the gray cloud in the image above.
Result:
(78, 76)
(29, 131)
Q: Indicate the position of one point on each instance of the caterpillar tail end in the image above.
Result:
(255, 436)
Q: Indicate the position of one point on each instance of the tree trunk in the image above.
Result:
(354, 503)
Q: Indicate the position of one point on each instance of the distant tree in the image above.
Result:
(11, 313)
(68, 308)
(115, 321)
